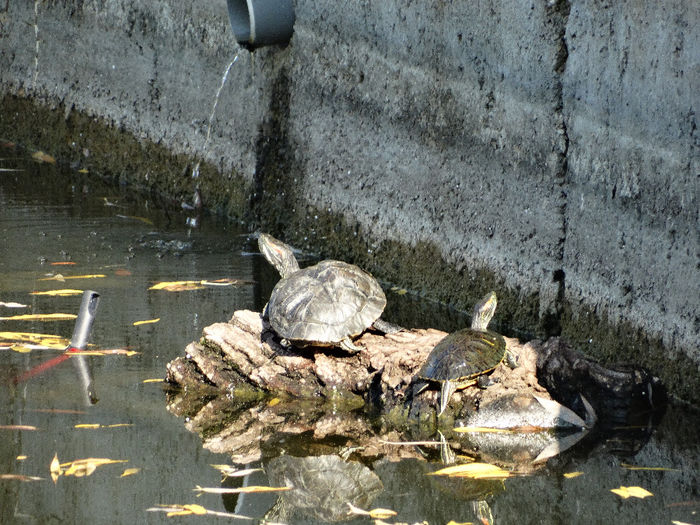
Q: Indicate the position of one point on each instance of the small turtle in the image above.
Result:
(323, 305)
(461, 358)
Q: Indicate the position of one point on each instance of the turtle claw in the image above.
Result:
(347, 345)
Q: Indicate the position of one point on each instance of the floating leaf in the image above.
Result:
(153, 380)
(147, 321)
(85, 467)
(376, 514)
(631, 492)
(177, 286)
(55, 468)
(274, 401)
(97, 425)
(225, 282)
(122, 272)
(40, 317)
(59, 277)
(130, 472)
(183, 510)
(635, 467)
(20, 477)
(43, 158)
(21, 458)
(17, 427)
(38, 340)
(63, 263)
(136, 218)
(251, 489)
(569, 475)
(87, 425)
(65, 292)
(674, 522)
(485, 430)
(232, 472)
(110, 351)
(13, 305)
(474, 471)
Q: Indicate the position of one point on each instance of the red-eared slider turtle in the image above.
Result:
(324, 305)
(461, 357)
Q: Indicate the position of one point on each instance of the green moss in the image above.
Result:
(84, 142)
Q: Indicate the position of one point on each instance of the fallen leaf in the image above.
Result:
(122, 272)
(377, 514)
(55, 468)
(631, 492)
(484, 430)
(17, 427)
(97, 425)
(44, 158)
(142, 219)
(13, 305)
(59, 277)
(569, 475)
(231, 471)
(66, 292)
(85, 467)
(21, 458)
(83, 170)
(251, 489)
(147, 321)
(130, 472)
(63, 263)
(153, 380)
(110, 351)
(40, 317)
(474, 471)
(40, 340)
(184, 510)
(20, 477)
(635, 467)
(177, 286)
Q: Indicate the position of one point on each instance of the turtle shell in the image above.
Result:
(464, 355)
(325, 303)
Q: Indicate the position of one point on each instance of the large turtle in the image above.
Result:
(323, 305)
(461, 357)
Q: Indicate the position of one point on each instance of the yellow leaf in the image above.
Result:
(570, 475)
(66, 292)
(21, 458)
(453, 522)
(59, 277)
(154, 380)
(274, 401)
(55, 468)
(83, 171)
(484, 429)
(147, 321)
(231, 472)
(20, 477)
(85, 467)
(40, 317)
(130, 472)
(634, 492)
(177, 286)
(635, 467)
(381, 514)
(474, 471)
(44, 340)
(87, 425)
(113, 351)
(251, 489)
(17, 427)
(41, 157)
(184, 510)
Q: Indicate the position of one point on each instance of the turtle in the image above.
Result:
(326, 304)
(461, 358)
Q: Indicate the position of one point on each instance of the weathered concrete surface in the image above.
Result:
(547, 150)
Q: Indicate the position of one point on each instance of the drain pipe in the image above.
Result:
(257, 23)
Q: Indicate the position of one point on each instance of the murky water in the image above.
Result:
(48, 216)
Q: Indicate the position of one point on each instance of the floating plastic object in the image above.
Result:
(257, 23)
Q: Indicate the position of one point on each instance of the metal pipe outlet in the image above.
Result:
(257, 23)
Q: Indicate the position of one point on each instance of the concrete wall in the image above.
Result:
(548, 150)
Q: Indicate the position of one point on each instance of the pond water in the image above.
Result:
(49, 216)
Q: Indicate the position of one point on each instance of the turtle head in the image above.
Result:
(483, 311)
(278, 254)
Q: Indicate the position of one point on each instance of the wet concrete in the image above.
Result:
(548, 151)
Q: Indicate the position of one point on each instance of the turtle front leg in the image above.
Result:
(347, 345)
(448, 388)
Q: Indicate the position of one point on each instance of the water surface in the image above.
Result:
(49, 215)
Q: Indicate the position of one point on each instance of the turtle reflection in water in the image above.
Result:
(322, 305)
(462, 358)
(321, 487)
